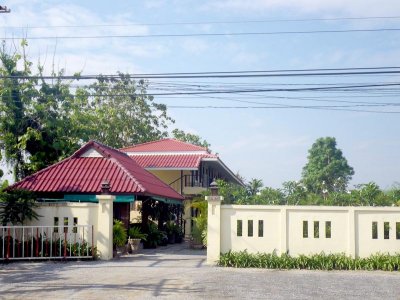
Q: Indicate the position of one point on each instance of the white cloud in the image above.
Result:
(327, 7)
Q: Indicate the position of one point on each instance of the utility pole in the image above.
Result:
(4, 9)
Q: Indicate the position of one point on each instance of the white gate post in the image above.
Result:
(214, 225)
(104, 235)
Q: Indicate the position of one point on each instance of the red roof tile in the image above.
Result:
(180, 161)
(78, 174)
(164, 145)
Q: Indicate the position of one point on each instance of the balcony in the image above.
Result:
(191, 185)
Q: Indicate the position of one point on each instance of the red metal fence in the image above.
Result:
(46, 242)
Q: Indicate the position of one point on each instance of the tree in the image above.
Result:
(18, 206)
(254, 186)
(42, 121)
(34, 116)
(327, 169)
(119, 112)
(189, 138)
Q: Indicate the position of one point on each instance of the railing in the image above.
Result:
(190, 181)
(46, 242)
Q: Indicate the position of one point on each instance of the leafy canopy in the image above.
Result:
(327, 169)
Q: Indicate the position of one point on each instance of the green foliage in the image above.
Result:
(136, 233)
(42, 121)
(189, 138)
(119, 234)
(154, 236)
(18, 206)
(232, 193)
(121, 112)
(199, 229)
(321, 261)
(327, 169)
(254, 186)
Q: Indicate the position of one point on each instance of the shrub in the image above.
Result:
(320, 261)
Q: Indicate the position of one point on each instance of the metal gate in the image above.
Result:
(46, 242)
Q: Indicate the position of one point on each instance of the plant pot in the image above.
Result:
(133, 245)
(171, 238)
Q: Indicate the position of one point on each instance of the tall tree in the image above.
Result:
(327, 169)
(33, 124)
(119, 112)
(189, 138)
(254, 186)
(43, 121)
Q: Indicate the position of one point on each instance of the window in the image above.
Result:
(239, 227)
(398, 230)
(374, 230)
(305, 229)
(65, 224)
(316, 229)
(75, 229)
(386, 230)
(328, 228)
(250, 228)
(260, 228)
(56, 224)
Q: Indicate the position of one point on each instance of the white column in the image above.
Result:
(284, 230)
(352, 233)
(214, 229)
(104, 235)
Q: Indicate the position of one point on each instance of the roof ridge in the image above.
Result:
(145, 143)
(115, 160)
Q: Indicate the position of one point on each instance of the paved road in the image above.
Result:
(176, 272)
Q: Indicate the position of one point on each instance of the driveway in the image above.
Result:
(176, 272)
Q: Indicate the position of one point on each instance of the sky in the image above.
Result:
(265, 143)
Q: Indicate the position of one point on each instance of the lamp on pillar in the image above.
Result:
(105, 187)
(214, 188)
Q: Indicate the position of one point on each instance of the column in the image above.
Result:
(214, 229)
(104, 234)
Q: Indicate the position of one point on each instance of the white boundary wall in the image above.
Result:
(100, 215)
(283, 227)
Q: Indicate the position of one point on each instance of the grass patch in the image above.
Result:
(321, 261)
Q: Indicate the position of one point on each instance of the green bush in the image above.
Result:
(119, 234)
(320, 261)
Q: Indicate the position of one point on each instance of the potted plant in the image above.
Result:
(171, 229)
(119, 236)
(135, 236)
(154, 237)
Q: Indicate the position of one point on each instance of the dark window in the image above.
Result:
(239, 228)
(260, 228)
(398, 230)
(374, 230)
(305, 229)
(250, 228)
(65, 224)
(328, 229)
(56, 224)
(316, 229)
(386, 230)
(75, 229)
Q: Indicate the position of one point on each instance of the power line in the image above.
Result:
(216, 34)
(206, 22)
(230, 74)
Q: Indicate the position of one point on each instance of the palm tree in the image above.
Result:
(254, 186)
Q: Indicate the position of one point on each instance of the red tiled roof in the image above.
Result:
(189, 161)
(78, 174)
(164, 145)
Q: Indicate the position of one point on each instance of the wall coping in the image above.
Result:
(311, 208)
(66, 203)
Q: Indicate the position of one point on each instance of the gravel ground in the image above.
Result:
(176, 272)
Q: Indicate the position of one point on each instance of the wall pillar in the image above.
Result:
(351, 248)
(284, 230)
(104, 234)
(214, 229)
